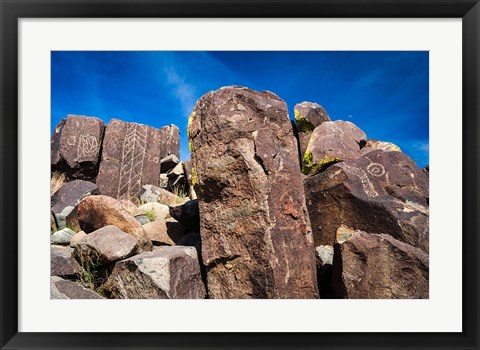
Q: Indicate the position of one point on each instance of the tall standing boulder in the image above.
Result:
(381, 192)
(75, 146)
(332, 142)
(308, 116)
(254, 227)
(131, 157)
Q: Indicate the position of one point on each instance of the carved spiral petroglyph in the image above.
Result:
(376, 169)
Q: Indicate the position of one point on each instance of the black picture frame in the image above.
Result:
(11, 11)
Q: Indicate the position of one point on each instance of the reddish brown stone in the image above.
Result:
(169, 141)
(382, 192)
(95, 212)
(371, 266)
(256, 239)
(308, 116)
(130, 159)
(332, 142)
(80, 143)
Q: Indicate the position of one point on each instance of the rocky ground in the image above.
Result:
(266, 208)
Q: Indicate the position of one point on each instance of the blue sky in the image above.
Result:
(383, 93)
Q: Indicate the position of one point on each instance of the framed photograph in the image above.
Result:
(239, 174)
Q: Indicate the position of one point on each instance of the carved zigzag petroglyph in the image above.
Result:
(133, 156)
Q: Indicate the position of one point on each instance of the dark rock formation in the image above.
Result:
(62, 289)
(381, 192)
(62, 262)
(165, 273)
(371, 266)
(56, 157)
(131, 157)
(256, 239)
(76, 151)
(95, 212)
(188, 215)
(169, 141)
(332, 142)
(308, 116)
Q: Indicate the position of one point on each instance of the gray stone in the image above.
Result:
(62, 237)
(106, 245)
(164, 273)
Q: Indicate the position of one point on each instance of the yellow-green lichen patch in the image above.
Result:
(194, 177)
(190, 121)
(303, 124)
(311, 168)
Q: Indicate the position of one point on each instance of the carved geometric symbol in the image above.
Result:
(87, 146)
(133, 154)
(376, 169)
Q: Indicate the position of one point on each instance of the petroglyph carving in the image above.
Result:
(367, 185)
(133, 155)
(376, 169)
(87, 146)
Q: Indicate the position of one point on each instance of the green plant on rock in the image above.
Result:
(311, 168)
(150, 214)
(90, 264)
(179, 191)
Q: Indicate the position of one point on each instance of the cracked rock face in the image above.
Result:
(255, 232)
(371, 266)
(381, 192)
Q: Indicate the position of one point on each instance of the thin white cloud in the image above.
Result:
(184, 92)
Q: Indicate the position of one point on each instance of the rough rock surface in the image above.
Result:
(106, 245)
(371, 266)
(162, 231)
(308, 116)
(386, 146)
(95, 212)
(70, 194)
(63, 289)
(188, 215)
(169, 141)
(382, 192)
(79, 146)
(56, 158)
(332, 142)
(62, 262)
(78, 238)
(131, 157)
(165, 273)
(256, 239)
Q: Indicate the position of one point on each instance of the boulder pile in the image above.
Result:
(267, 207)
